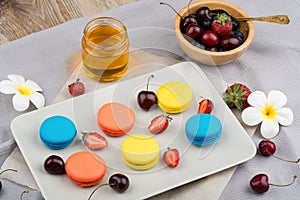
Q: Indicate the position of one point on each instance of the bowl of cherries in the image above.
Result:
(208, 31)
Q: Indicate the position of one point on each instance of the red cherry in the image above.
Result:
(210, 38)
(203, 13)
(146, 99)
(260, 183)
(118, 182)
(229, 42)
(268, 148)
(193, 31)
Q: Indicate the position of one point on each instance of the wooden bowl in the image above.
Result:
(208, 57)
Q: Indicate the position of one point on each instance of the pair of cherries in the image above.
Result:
(260, 182)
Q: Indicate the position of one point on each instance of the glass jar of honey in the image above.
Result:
(105, 49)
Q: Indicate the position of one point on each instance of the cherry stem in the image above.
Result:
(98, 188)
(151, 76)
(291, 161)
(25, 191)
(189, 5)
(166, 4)
(294, 178)
(14, 170)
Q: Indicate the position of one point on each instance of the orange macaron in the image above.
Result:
(115, 119)
(85, 168)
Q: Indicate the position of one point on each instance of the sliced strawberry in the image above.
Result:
(205, 106)
(76, 88)
(94, 140)
(171, 157)
(159, 124)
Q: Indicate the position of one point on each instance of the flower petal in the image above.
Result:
(17, 79)
(33, 85)
(37, 99)
(252, 116)
(285, 116)
(20, 102)
(269, 128)
(7, 87)
(277, 99)
(257, 99)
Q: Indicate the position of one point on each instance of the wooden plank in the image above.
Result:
(19, 18)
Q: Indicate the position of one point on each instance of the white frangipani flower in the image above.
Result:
(24, 92)
(269, 111)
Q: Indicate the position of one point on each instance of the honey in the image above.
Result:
(105, 47)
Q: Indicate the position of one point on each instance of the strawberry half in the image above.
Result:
(76, 88)
(205, 106)
(159, 124)
(171, 157)
(236, 95)
(222, 24)
(94, 140)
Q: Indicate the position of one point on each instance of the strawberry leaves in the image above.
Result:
(236, 96)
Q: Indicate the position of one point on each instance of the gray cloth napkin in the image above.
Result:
(271, 63)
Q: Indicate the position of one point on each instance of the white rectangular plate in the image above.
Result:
(234, 147)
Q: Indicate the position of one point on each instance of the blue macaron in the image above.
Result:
(203, 129)
(57, 132)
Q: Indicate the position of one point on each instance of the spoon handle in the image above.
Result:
(278, 19)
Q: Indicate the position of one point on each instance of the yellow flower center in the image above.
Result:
(24, 90)
(269, 112)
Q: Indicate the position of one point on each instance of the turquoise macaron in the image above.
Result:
(203, 129)
(57, 132)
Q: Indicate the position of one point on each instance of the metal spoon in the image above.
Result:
(278, 19)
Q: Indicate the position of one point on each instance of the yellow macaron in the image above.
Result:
(174, 96)
(140, 151)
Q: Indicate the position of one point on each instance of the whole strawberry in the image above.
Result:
(94, 140)
(159, 124)
(171, 157)
(222, 24)
(236, 95)
(76, 88)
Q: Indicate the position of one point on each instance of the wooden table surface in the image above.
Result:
(19, 18)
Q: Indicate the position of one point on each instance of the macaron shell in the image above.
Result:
(174, 96)
(140, 151)
(203, 129)
(57, 132)
(115, 119)
(140, 166)
(85, 168)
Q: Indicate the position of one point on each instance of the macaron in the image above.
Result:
(174, 96)
(85, 168)
(115, 119)
(140, 151)
(203, 129)
(57, 132)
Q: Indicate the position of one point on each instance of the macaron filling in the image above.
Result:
(203, 129)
